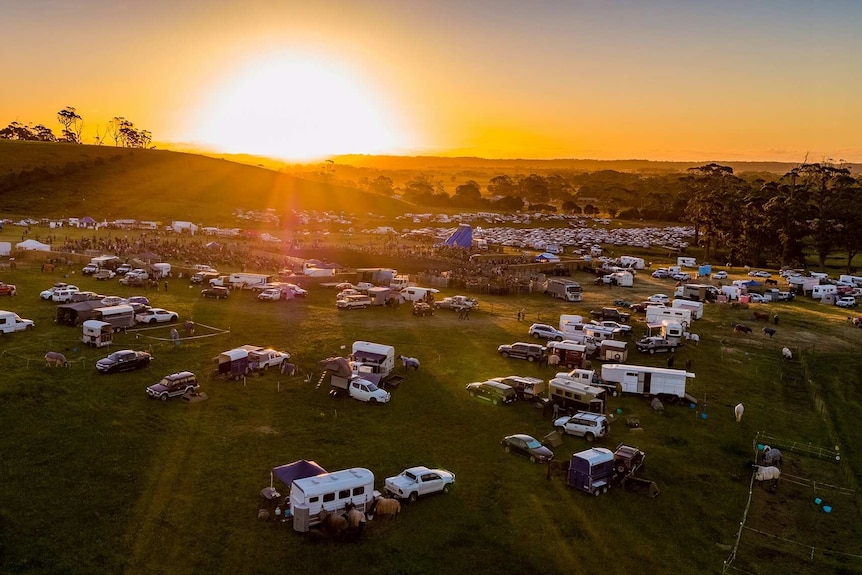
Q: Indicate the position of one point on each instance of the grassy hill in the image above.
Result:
(56, 180)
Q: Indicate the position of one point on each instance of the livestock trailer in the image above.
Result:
(591, 470)
(613, 350)
(667, 384)
(572, 394)
(329, 491)
(696, 307)
(233, 363)
(97, 333)
(571, 354)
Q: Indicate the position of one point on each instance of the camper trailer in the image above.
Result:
(632, 262)
(819, 291)
(655, 314)
(697, 292)
(570, 324)
(373, 358)
(855, 280)
(119, 316)
(566, 290)
(666, 384)
(247, 281)
(329, 491)
(696, 307)
(591, 470)
(571, 354)
(572, 394)
(613, 350)
(686, 262)
(97, 333)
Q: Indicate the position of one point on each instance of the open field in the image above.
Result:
(96, 478)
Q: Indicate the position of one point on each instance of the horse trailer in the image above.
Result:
(571, 354)
(656, 313)
(570, 324)
(632, 262)
(571, 393)
(613, 350)
(666, 384)
(591, 470)
(119, 316)
(329, 491)
(696, 307)
(246, 280)
(97, 333)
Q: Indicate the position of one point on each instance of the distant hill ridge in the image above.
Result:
(68, 180)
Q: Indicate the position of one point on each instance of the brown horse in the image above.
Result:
(761, 316)
(743, 329)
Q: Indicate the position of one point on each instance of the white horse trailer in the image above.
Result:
(696, 307)
(329, 491)
(666, 384)
(656, 313)
(373, 358)
(570, 324)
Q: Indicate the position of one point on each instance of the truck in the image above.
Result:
(528, 388)
(416, 481)
(697, 292)
(457, 303)
(666, 384)
(610, 313)
(359, 388)
(261, 359)
(564, 289)
(591, 470)
(355, 301)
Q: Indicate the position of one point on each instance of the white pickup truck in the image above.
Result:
(412, 483)
(359, 388)
(263, 359)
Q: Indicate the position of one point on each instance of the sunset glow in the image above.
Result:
(652, 80)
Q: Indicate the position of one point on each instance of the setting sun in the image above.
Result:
(298, 106)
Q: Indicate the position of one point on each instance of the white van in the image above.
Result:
(9, 322)
(330, 491)
(417, 293)
(817, 292)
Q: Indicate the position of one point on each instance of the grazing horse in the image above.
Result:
(289, 369)
(409, 362)
(788, 355)
(769, 331)
(386, 506)
(771, 456)
(189, 327)
(856, 321)
(332, 524)
(55, 359)
(692, 337)
(739, 328)
(770, 473)
(761, 316)
(771, 282)
(738, 411)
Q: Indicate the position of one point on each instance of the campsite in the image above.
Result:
(108, 472)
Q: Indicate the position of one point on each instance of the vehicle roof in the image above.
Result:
(523, 436)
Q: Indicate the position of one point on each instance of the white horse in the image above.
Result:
(771, 473)
(409, 362)
(692, 337)
(738, 411)
(788, 355)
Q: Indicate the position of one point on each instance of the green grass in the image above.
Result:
(97, 478)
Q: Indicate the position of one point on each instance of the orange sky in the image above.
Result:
(656, 80)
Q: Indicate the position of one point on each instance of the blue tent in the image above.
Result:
(547, 257)
(297, 470)
(462, 237)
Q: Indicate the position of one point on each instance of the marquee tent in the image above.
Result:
(33, 245)
(462, 237)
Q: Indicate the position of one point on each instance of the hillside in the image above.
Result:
(57, 180)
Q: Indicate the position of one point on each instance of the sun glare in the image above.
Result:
(298, 107)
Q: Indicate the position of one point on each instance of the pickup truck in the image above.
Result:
(263, 359)
(655, 344)
(359, 388)
(353, 301)
(412, 483)
(457, 302)
(610, 313)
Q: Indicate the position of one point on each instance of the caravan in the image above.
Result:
(819, 291)
(666, 384)
(655, 314)
(329, 491)
(696, 307)
(571, 324)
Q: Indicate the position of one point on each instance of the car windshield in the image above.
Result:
(533, 444)
(409, 476)
(372, 387)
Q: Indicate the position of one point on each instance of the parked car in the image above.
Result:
(681, 276)
(344, 285)
(49, 293)
(89, 269)
(173, 385)
(544, 331)
(156, 315)
(203, 277)
(7, 289)
(103, 275)
(527, 446)
(216, 292)
(417, 481)
(655, 344)
(722, 275)
(521, 350)
(846, 301)
(137, 299)
(353, 301)
(123, 269)
(495, 392)
(363, 287)
(87, 296)
(616, 326)
(270, 294)
(64, 295)
(661, 273)
(112, 300)
(297, 291)
(759, 274)
(590, 426)
(124, 360)
(659, 298)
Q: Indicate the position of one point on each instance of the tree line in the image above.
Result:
(123, 132)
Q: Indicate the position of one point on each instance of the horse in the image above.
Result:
(855, 321)
(55, 359)
(771, 457)
(386, 506)
(739, 328)
(771, 282)
(767, 473)
(788, 355)
(769, 331)
(289, 369)
(409, 362)
(692, 337)
(738, 411)
(761, 316)
(332, 524)
(189, 327)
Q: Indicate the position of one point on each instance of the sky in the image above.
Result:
(625, 79)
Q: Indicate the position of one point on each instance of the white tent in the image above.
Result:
(33, 245)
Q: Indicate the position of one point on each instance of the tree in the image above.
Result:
(16, 131)
(534, 188)
(73, 124)
(113, 129)
(713, 207)
(468, 195)
(43, 133)
(502, 186)
(381, 185)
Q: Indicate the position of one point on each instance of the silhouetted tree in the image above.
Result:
(468, 195)
(502, 186)
(73, 124)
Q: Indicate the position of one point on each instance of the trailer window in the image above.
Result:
(329, 497)
(314, 499)
(344, 494)
(358, 490)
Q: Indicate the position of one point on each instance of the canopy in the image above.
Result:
(462, 237)
(33, 245)
(547, 257)
(297, 470)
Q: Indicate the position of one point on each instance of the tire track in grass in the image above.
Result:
(162, 495)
